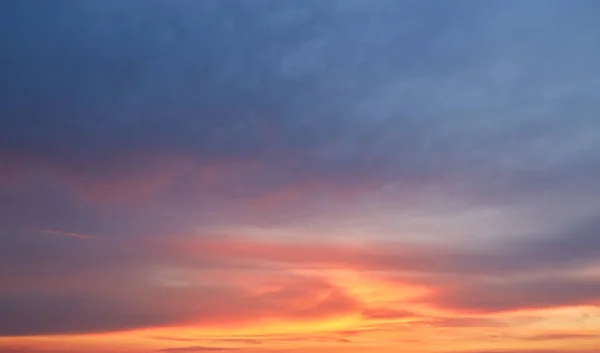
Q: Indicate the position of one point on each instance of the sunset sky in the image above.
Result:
(299, 176)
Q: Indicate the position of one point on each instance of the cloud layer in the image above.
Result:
(306, 176)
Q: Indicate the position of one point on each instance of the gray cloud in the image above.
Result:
(516, 294)
(452, 82)
(25, 315)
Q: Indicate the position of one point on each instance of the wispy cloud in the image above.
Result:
(64, 233)
(197, 349)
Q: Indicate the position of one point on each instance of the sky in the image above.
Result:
(299, 176)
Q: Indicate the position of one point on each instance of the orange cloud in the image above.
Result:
(451, 277)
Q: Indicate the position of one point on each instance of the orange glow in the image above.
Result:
(259, 295)
(386, 317)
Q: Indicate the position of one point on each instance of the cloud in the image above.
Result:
(519, 294)
(260, 339)
(68, 234)
(197, 349)
(92, 283)
(31, 315)
(570, 247)
(213, 340)
(541, 350)
(156, 125)
(456, 322)
(113, 305)
(562, 336)
(387, 114)
(384, 313)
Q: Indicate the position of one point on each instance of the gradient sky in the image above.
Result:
(299, 176)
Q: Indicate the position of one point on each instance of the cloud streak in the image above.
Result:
(197, 349)
(64, 233)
